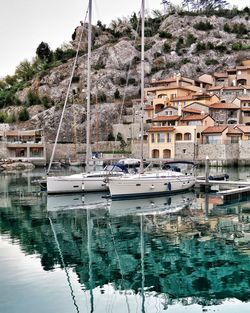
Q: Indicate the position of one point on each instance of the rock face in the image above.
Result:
(115, 60)
(115, 68)
(16, 166)
(73, 128)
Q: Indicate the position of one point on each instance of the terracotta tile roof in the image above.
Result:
(174, 87)
(214, 129)
(163, 118)
(244, 98)
(244, 128)
(197, 102)
(226, 106)
(193, 96)
(242, 87)
(220, 74)
(243, 67)
(194, 111)
(148, 107)
(182, 98)
(215, 88)
(161, 129)
(233, 131)
(245, 109)
(195, 117)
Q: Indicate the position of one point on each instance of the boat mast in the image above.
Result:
(88, 156)
(142, 80)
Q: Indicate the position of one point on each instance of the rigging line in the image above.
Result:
(142, 265)
(142, 81)
(63, 263)
(127, 78)
(119, 263)
(67, 95)
(129, 70)
(89, 230)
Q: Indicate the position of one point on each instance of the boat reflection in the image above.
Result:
(65, 202)
(154, 205)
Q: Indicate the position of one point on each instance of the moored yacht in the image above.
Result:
(84, 182)
(150, 184)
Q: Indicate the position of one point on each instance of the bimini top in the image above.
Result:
(116, 167)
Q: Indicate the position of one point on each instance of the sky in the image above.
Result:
(24, 24)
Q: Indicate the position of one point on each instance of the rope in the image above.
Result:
(67, 96)
(64, 266)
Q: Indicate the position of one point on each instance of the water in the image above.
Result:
(185, 253)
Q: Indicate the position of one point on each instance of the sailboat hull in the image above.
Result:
(76, 183)
(141, 187)
(64, 184)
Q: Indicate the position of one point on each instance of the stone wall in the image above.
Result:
(68, 150)
(184, 151)
(3, 151)
(219, 155)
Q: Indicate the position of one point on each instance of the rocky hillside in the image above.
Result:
(190, 44)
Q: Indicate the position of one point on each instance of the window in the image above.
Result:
(178, 137)
(168, 135)
(161, 137)
(198, 135)
(213, 139)
(153, 138)
(234, 139)
(198, 123)
(187, 136)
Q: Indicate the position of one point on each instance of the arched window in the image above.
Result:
(166, 154)
(155, 154)
(187, 136)
(178, 137)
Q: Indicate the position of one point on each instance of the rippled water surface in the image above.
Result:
(184, 253)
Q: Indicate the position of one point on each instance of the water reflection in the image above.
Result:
(157, 254)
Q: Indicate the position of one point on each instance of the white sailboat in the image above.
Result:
(148, 183)
(89, 181)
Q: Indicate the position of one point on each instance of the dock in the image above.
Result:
(227, 190)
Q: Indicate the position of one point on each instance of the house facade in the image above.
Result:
(26, 145)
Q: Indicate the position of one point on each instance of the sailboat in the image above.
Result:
(148, 183)
(89, 181)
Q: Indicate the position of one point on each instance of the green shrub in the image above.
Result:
(111, 137)
(166, 47)
(102, 97)
(210, 45)
(190, 39)
(211, 62)
(200, 46)
(32, 98)
(221, 48)
(204, 26)
(166, 35)
(237, 46)
(23, 115)
(3, 117)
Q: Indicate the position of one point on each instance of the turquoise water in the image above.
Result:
(185, 253)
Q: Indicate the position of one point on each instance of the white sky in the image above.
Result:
(25, 23)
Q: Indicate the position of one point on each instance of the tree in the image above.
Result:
(44, 53)
(25, 71)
